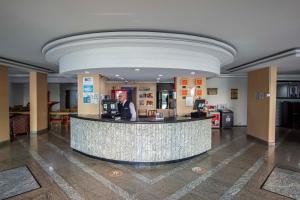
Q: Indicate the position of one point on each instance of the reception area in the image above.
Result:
(149, 100)
(104, 129)
(141, 141)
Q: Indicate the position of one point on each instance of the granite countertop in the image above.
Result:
(139, 120)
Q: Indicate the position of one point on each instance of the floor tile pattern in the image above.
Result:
(235, 168)
(16, 181)
(284, 182)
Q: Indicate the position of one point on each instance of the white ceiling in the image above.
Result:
(287, 61)
(256, 28)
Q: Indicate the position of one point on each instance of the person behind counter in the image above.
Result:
(126, 108)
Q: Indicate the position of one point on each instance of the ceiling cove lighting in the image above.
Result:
(76, 52)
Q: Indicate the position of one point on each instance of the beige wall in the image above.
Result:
(38, 91)
(99, 88)
(182, 109)
(4, 105)
(261, 113)
(152, 86)
(101, 84)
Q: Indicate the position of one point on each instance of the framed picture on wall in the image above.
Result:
(294, 91)
(234, 93)
(212, 91)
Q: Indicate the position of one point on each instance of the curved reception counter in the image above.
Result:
(141, 141)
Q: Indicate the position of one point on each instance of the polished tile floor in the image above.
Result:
(236, 168)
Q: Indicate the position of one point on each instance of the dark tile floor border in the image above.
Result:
(256, 139)
(140, 164)
(40, 186)
(40, 132)
(5, 143)
(281, 167)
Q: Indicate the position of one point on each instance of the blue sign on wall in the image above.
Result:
(87, 99)
(88, 88)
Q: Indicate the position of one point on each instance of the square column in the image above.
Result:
(262, 104)
(90, 89)
(4, 105)
(38, 89)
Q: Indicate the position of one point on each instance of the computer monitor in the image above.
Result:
(109, 106)
(105, 106)
(199, 104)
(113, 106)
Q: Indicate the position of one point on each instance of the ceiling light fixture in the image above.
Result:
(86, 72)
(117, 75)
(193, 73)
(137, 69)
(160, 75)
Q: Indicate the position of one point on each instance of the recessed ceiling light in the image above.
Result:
(122, 78)
(160, 75)
(126, 81)
(117, 75)
(86, 72)
(193, 73)
(157, 78)
(137, 69)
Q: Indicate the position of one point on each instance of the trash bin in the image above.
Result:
(226, 118)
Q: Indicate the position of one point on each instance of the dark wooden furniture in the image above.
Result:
(19, 124)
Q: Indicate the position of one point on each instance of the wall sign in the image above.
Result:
(260, 95)
(184, 82)
(184, 92)
(88, 81)
(95, 98)
(88, 88)
(86, 98)
(189, 101)
(198, 82)
(88, 91)
(199, 92)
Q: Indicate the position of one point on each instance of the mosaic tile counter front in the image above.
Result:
(141, 142)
